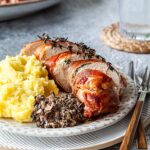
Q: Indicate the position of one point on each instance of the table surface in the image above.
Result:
(80, 21)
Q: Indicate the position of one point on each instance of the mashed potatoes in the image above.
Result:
(21, 79)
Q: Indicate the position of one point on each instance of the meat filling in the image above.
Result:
(58, 112)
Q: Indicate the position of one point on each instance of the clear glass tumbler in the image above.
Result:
(135, 19)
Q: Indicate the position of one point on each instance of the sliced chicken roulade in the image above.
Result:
(77, 69)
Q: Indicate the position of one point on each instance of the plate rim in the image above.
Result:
(22, 3)
(47, 133)
(116, 140)
(107, 144)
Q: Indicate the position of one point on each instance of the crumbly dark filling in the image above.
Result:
(57, 111)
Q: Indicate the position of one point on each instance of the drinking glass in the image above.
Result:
(135, 19)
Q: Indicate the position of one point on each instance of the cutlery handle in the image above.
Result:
(130, 132)
(141, 137)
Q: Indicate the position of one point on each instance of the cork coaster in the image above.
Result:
(112, 37)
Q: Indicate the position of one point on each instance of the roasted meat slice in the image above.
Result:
(45, 48)
(78, 66)
(58, 67)
(42, 50)
(96, 90)
(30, 48)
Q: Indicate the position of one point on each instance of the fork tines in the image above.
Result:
(144, 78)
(131, 70)
(143, 84)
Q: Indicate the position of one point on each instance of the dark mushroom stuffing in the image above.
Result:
(60, 111)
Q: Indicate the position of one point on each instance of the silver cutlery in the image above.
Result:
(144, 88)
(141, 136)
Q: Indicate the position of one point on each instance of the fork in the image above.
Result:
(130, 132)
(141, 137)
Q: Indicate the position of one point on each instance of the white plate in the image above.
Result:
(127, 103)
(17, 10)
(90, 141)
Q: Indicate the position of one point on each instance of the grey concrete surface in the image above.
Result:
(80, 21)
